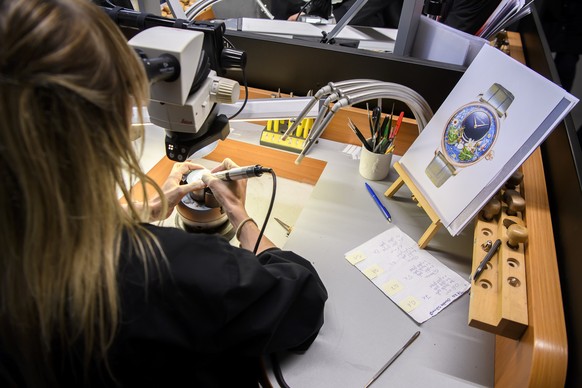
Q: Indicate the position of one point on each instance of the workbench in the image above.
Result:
(363, 328)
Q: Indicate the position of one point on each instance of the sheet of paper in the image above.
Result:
(411, 277)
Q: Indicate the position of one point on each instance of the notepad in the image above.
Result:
(411, 277)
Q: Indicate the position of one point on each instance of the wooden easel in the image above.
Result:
(421, 201)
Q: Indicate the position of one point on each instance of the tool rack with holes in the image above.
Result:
(498, 301)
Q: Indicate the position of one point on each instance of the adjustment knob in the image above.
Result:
(232, 59)
(515, 202)
(225, 91)
(514, 180)
(491, 209)
(516, 234)
(510, 220)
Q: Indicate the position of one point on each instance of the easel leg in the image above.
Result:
(429, 234)
(404, 179)
(394, 187)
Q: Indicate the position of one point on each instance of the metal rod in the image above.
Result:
(354, 9)
(394, 357)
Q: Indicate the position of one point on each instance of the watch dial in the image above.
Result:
(470, 134)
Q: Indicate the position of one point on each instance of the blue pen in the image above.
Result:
(377, 200)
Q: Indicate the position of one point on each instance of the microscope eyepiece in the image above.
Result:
(166, 67)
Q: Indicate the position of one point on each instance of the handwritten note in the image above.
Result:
(411, 277)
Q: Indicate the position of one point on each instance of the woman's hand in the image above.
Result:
(173, 190)
(294, 17)
(230, 195)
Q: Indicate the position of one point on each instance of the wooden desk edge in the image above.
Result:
(540, 357)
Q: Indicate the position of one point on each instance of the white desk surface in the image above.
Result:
(363, 328)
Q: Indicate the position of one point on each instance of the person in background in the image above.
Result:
(91, 294)
(375, 13)
(464, 15)
(282, 9)
(467, 15)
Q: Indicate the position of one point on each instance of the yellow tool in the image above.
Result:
(299, 130)
(308, 123)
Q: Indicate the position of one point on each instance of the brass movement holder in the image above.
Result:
(498, 297)
(404, 179)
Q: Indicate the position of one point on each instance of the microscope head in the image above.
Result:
(184, 90)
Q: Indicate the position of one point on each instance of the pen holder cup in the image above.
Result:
(374, 166)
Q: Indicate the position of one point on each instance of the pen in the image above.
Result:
(398, 124)
(377, 200)
(394, 357)
(387, 124)
(381, 145)
(486, 259)
(376, 115)
(372, 133)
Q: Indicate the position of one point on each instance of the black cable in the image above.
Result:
(270, 171)
(273, 357)
(264, 381)
(244, 74)
(277, 371)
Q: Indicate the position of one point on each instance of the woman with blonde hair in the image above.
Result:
(91, 294)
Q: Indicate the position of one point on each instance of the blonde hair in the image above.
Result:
(68, 82)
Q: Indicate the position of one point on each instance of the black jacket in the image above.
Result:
(203, 319)
(206, 318)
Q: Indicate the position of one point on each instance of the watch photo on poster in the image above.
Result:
(494, 118)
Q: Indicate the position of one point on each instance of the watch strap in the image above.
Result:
(499, 98)
(439, 169)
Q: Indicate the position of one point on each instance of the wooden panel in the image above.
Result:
(540, 358)
(243, 154)
(282, 162)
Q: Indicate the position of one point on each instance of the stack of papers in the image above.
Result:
(506, 13)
